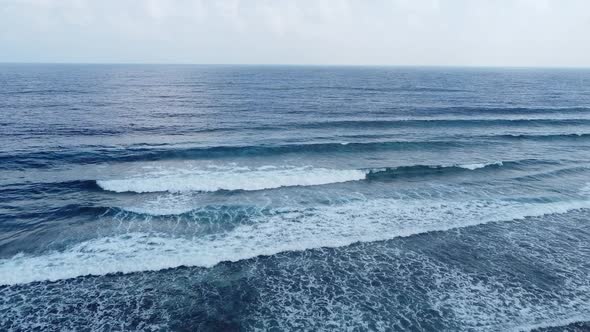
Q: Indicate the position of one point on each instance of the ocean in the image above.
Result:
(242, 198)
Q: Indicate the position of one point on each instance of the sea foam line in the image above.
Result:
(280, 231)
(243, 178)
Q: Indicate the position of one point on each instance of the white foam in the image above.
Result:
(163, 205)
(282, 230)
(553, 323)
(229, 178)
(477, 166)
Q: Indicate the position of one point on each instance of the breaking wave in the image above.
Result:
(278, 231)
(266, 177)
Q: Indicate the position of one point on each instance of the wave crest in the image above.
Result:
(267, 177)
(230, 178)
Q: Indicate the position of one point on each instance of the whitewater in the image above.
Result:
(214, 178)
(290, 230)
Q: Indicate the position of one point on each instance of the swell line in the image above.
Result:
(46, 159)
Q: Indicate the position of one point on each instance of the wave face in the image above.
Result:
(225, 198)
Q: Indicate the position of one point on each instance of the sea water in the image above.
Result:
(173, 197)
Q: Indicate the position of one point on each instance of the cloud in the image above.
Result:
(404, 32)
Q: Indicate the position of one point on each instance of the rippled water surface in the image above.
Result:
(233, 198)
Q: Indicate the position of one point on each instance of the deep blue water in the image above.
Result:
(282, 198)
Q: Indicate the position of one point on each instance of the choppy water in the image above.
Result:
(315, 198)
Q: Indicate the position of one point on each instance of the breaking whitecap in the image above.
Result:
(274, 232)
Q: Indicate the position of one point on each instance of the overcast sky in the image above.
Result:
(364, 32)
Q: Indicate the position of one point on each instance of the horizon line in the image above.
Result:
(298, 65)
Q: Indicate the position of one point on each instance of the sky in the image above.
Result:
(531, 33)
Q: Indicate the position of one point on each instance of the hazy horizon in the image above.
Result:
(302, 65)
(456, 33)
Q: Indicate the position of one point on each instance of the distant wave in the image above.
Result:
(475, 110)
(543, 136)
(162, 152)
(266, 177)
(443, 122)
(47, 92)
(362, 89)
(280, 231)
(158, 152)
(411, 120)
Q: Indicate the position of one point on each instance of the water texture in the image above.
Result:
(239, 198)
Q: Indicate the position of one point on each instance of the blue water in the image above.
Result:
(281, 198)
